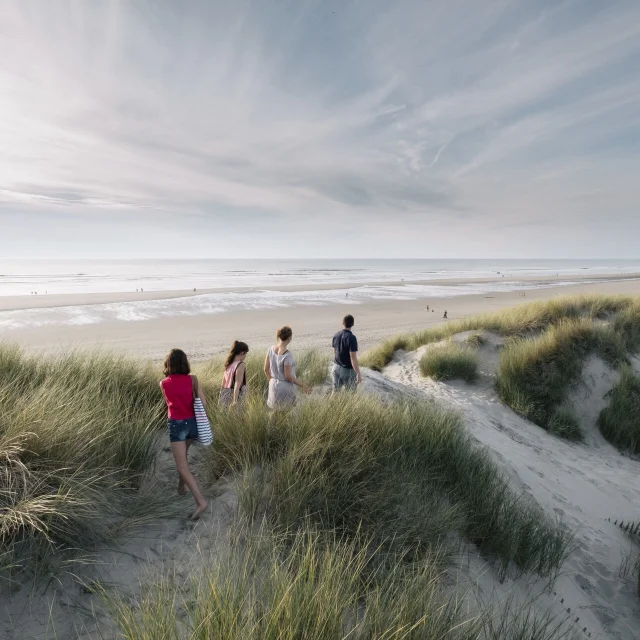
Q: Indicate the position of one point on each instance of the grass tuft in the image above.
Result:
(405, 475)
(535, 374)
(301, 587)
(620, 421)
(450, 362)
(521, 321)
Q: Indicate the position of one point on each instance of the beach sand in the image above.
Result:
(207, 335)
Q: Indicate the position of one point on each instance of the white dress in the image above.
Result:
(282, 393)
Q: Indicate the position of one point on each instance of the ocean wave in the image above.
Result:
(216, 303)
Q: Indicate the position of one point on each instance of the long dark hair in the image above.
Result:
(236, 348)
(176, 362)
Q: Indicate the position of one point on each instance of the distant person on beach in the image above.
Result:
(445, 315)
(234, 378)
(179, 390)
(346, 370)
(280, 369)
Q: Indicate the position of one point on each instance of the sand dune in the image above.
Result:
(585, 485)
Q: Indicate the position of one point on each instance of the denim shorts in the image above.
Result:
(181, 430)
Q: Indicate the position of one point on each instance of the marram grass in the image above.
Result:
(78, 433)
(619, 422)
(522, 320)
(450, 361)
(404, 474)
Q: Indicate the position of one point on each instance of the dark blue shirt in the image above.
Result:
(344, 344)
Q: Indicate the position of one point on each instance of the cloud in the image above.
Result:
(407, 118)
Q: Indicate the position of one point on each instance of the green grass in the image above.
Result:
(522, 320)
(347, 518)
(542, 359)
(305, 587)
(405, 475)
(620, 421)
(349, 510)
(77, 434)
(450, 362)
(535, 375)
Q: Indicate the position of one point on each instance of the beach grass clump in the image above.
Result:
(619, 422)
(565, 423)
(403, 475)
(535, 374)
(522, 321)
(476, 340)
(450, 362)
(77, 434)
(301, 587)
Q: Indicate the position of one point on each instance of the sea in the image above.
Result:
(262, 284)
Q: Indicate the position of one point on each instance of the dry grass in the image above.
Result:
(450, 362)
(523, 320)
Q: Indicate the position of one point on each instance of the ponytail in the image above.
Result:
(236, 348)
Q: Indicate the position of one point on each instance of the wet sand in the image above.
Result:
(206, 335)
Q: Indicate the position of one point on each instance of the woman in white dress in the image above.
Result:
(280, 369)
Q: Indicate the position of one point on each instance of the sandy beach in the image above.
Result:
(206, 335)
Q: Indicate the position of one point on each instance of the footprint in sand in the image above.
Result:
(536, 471)
(584, 583)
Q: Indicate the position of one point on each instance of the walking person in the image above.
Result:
(280, 369)
(346, 370)
(179, 390)
(234, 379)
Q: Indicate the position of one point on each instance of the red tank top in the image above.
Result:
(178, 392)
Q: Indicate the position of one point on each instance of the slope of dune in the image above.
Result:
(584, 484)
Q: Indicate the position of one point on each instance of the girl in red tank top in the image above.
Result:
(179, 389)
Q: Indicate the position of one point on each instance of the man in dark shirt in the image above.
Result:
(346, 371)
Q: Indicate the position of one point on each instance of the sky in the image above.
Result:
(311, 128)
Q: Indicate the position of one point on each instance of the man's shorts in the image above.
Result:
(343, 378)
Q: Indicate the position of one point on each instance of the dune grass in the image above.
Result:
(450, 362)
(405, 475)
(619, 422)
(78, 432)
(523, 320)
(349, 513)
(548, 344)
(305, 587)
(535, 375)
(349, 509)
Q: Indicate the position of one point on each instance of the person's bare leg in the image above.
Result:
(179, 450)
(181, 489)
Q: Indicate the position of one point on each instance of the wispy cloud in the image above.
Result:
(409, 120)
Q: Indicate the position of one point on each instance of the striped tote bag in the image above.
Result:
(205, 437)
